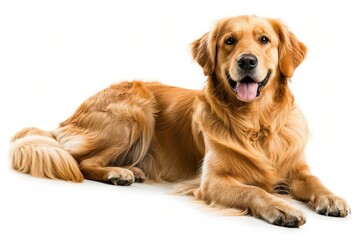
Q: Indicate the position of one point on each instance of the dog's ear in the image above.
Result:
(204, 53)
(204, 49)
(291, 51)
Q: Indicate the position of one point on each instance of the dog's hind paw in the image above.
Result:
(139, 174)
(122, 177)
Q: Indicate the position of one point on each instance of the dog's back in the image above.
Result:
(130, 124)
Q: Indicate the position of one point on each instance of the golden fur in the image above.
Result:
(236, 148)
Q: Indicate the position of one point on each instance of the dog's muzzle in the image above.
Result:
(247, 89)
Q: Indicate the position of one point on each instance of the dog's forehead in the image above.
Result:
(249, 24)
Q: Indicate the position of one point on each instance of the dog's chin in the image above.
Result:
(247, 88)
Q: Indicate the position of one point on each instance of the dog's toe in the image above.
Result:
(139, 179)
(138, 174)
(291, 222)
(334, 214)
(322, 211)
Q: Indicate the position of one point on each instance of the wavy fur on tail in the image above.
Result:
(36, 152)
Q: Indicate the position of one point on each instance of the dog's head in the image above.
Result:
(248, 53)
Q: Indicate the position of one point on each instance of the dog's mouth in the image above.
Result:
(247, 89)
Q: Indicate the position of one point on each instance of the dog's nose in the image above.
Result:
(247, 62)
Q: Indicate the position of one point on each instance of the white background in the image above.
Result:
(55, 54)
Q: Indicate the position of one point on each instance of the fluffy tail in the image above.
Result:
(36, 152)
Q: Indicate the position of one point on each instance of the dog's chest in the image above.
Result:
(280, 146)
(259, 136)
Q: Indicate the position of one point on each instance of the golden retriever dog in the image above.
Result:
(233, 144)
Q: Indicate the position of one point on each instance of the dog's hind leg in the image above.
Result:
(93, 168)
(97, 168)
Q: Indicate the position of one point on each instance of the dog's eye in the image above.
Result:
(264, 40)
(229, 41)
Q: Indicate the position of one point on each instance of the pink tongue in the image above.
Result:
(247, 91)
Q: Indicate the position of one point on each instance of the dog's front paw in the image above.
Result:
(282, 214)
(329, 205)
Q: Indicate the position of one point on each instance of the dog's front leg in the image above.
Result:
(222, 186)
(308, 188)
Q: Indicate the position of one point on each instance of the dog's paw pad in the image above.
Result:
(334, 214)
(119, 182)
(322, 211)
(139, 179)
(290, 222)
